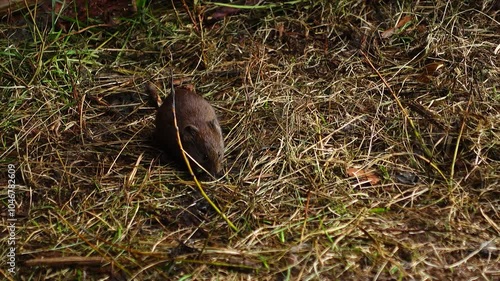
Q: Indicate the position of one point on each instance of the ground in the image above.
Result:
(362, 142)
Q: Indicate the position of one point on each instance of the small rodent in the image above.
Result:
(199, 130)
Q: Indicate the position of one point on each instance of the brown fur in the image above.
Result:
(198, 127)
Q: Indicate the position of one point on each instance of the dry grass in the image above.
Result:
(305, 93)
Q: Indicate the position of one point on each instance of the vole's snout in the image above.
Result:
(217, 171)
(214, 169)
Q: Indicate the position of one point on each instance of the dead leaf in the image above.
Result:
(281, 29)
(422, 78)
(421, 28)
(362, 174)
(404, 20)
(431, 68)
(428, 71)
(223, 12)
(389, 32)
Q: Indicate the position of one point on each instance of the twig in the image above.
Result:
(186, 160)
(459, 138)
(66, 261)
(195, 25)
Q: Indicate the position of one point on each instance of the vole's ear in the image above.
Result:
(214, 125)
(190, 132)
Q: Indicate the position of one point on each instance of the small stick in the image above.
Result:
(65, 261)
(186, 160)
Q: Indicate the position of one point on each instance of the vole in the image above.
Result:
(199, 130)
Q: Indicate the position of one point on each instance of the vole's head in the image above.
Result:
(205, 144)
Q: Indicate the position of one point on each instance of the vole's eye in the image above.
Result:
(205, 157)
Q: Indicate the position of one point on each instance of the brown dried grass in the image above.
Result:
(299, 104)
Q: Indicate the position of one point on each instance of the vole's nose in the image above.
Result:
(217, 171)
